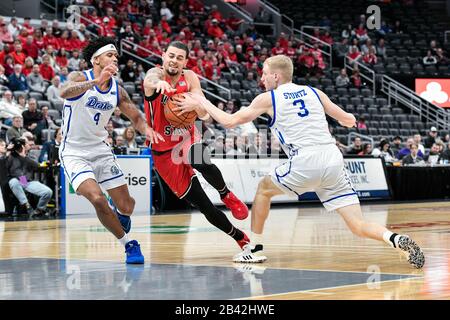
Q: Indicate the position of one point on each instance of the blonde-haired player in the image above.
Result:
(315, 163)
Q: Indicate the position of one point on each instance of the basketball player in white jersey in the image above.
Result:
(315, 163)
(91, 97)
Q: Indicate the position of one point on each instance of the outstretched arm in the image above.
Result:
(261, 104)
(77, 85)
(344, 118)
(154, 82)
(129, 109)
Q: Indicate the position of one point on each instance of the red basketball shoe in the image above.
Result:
(237, 207)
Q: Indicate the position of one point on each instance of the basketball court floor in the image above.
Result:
(311, 255)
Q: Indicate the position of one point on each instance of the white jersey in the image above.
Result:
(85, 118)
(298, 118)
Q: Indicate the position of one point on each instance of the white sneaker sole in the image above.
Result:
(244, 257)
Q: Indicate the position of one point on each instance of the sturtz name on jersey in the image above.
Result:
(94, 103)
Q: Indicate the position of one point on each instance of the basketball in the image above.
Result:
(178, 121)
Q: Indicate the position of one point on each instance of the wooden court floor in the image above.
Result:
(311, 255)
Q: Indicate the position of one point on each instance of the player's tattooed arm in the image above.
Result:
(154, 81)
(75, 85)
(136, 117)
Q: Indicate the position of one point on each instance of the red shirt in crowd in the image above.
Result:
(31, 50)
(19, 57)
(27, 70)
(215, 31)
(277, 50)
(46, 72)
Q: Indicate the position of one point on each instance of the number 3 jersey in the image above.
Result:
(299, 118)
(85, 118)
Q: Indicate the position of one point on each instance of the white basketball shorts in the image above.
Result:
(319, 169)
(103, 168)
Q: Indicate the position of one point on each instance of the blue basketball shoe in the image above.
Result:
(134, 254)
(125, 221)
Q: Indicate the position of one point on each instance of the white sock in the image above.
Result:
(124, 240)
(387, 238)
(256, 239)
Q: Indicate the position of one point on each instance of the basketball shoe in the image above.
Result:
(250, 254)
(134, 254)
(124, 220)
(237, 207)
(411, 250)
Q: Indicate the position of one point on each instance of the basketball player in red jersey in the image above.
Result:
(179, 151)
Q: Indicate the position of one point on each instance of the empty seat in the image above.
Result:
(383, 131)
(129, 88)
(342, 91)
(388, 117)
(373, 131)
(400, 117)
(406, 125)
(355, 101)
(36, 95)
(372, 110)
(55, 114)
(382, 102)
(394, 131)
(236, 85)
(354, 92)
(368, 101)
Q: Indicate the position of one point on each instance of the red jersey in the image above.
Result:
(154, 112)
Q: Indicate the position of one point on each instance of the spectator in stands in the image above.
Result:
(445, 155)
(16, 129)
(214, 30)
(35, 81)
(356, 147)
(356, 78)
(431, 138)
(14, 27)
(119, 145)
(53, 91)
(413, 157)
(384, 151)
(366, 46)
(342, 49)
(74, 61)
(361, 33)
(49, 151)
(326, 37)
(3, 151)
(442, 60)
(32, 117)
(61, 58)
(117, 119)
(429, 59)
(384, 29)
(5, 35)
(110, 129)
(63, 74)
(342, 80)
(361, 123)
(433, 156)
(27, 25)
(4, 81)
(407, 150)
(18, 55)
(46, 69)
(30, 48)
(250, 83)
(370, 58)
(9, 66)
(366, 150)
(381, 49)
(129, 135)
(396, 145)
(165, 11)
(17, 81)
(128, 74)
(28, 67)
(354, 53)
(417, 140)
(233, 23)
(433, 47)
(348, 33)
(398, 27)
(21, 170)
(8, 108)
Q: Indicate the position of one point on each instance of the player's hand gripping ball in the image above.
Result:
(172, 115)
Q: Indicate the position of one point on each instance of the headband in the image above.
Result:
(102, 50)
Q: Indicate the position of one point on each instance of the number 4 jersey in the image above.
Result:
(299, 118)
(85, 118)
